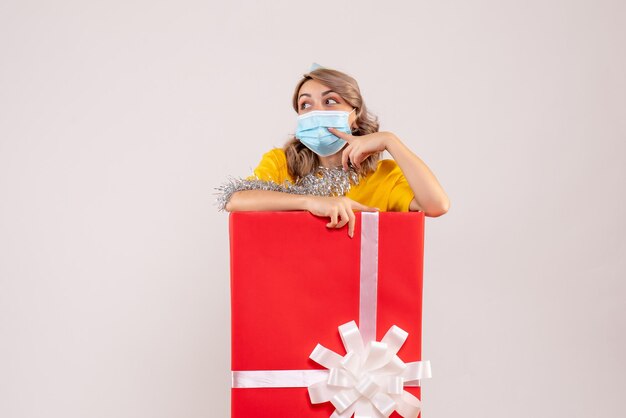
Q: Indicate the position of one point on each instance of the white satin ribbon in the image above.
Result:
(369, 275)
(277, 378)
(369, 380)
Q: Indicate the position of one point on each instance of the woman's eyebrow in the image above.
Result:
(323, 94)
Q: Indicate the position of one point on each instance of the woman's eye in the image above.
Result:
(334, 101)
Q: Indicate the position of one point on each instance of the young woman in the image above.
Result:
(337, 135)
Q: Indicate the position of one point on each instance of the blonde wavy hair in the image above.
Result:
(301, 160)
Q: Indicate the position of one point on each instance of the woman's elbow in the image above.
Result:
(439, 209)
(231, 205)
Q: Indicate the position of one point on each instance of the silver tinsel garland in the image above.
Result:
(322, 182)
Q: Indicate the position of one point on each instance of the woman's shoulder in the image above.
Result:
(277, 155)
(273, 166)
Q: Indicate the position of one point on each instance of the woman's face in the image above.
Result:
(314, 95)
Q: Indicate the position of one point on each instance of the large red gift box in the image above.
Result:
(294, 281)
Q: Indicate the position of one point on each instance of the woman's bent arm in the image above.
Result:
(429, 195)
(340, 209)
(265, 200)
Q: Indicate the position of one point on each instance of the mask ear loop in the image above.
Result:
(355, 129)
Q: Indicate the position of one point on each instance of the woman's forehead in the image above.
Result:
(313, 87)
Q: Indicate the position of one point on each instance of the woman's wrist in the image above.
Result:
(306, 202)
(297, 201)
(391, 142)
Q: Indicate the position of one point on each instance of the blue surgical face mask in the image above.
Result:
(312, 132)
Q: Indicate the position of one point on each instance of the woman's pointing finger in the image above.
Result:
(346, 137)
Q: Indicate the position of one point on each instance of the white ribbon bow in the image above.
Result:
(369, 380)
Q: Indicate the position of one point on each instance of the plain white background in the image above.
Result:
(118, 119)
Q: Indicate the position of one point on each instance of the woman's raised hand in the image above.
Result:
(361, 147)
(340, 209)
